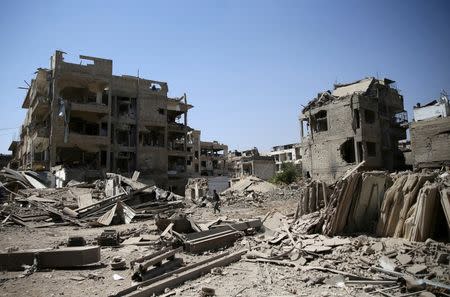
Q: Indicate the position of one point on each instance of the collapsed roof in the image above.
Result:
(361, 86)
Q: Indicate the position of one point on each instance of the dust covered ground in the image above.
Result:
(241, 278)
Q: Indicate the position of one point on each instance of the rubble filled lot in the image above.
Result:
(266, 241)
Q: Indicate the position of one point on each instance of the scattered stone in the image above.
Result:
(404, 259)
(416, 269)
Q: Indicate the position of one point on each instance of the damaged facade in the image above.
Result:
(83, 116)
(430, 134)
(250, 162)
(356, 122)
(288, 153)
(208, 158)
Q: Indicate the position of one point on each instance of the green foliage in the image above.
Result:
(287, 175)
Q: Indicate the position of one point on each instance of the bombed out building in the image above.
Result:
(356, 122)
(80, 115)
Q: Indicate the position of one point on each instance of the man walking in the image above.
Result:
(216, 199)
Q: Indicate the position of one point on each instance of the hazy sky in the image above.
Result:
(247, 66)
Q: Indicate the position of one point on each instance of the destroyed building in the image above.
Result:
(250, 162)
(208, 158)
(430, 134)
(356, 122)
(81, 115)
(288, 153)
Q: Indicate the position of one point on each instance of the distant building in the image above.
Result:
(208, 158)
(250, 162)
(288, 153)
(359, 121)
(430, 134)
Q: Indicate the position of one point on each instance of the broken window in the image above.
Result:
(105, 96)
(126, 137)
(104, 129)
(176, 164)
(356, 118)
(78, 95)
(80, 126)
(176, 141)
(203, 164)
(125, 161)
(360, 150)
(319, 121)
(371, 149)
(369, 116)
(154, 136)
(126, 107)
(155, 87)
(103, 155)
(348, 150)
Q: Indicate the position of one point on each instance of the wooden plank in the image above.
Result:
(152, 255)
(180, 278)
(158, 259)
(166, 275)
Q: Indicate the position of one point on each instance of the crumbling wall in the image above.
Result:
(430, 142)
(322, 152)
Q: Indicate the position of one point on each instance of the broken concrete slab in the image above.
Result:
(417, 269)
(404, 259)
(59, 258)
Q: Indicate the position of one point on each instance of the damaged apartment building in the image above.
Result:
(250, 162)
(356, 122)
(81, 116)
(288, 153)
(208, 158)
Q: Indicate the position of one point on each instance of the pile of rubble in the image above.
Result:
(32, 202)
(248, 190)
(386, 266)
(414, 206)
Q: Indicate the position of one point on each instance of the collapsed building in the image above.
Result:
(356, 122)
(83, 116)
(250, 162)
(430, 134)
(288, 153)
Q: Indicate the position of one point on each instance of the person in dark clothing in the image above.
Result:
(216, 199)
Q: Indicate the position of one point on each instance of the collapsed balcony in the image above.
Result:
(86, 101)
(176, 165)
(82, 132)
(152, 136)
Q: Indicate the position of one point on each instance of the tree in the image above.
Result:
(287, 175)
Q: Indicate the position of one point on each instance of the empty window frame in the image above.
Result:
(356, 118)
(319, 121)
(371, 149)
(369, 116)
(347, 150)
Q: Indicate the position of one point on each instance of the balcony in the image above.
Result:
(41, 132)
(40, 107)
(90, 108)
(83, 139)
(176, 127)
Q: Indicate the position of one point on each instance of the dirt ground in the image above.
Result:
(238, 279)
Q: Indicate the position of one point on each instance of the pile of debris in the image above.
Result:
(386, 265)
(413, 206)
(115, 200)
(248, 190)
